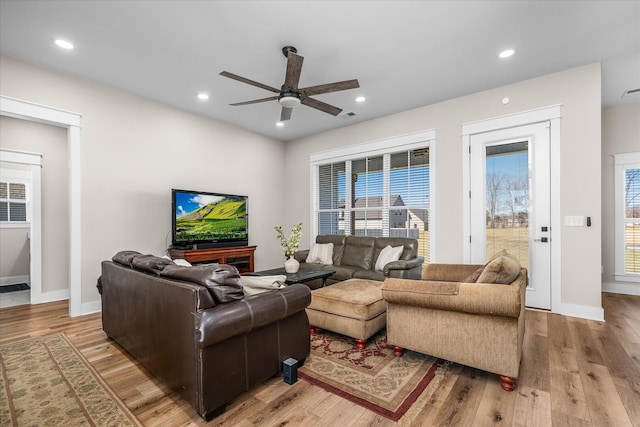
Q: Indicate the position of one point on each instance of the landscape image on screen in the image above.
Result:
(204, 217)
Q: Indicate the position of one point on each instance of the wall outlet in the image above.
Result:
(574, 221)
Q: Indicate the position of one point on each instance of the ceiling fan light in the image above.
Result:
(289, 101)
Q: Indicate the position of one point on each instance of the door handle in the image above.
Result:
(542, 239)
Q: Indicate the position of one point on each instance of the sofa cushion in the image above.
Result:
(321, 253)
(358, 252)
(150, 263)
(343, 272)
(368, 274)
(125, 257)
(387, 255)
(502, 270)
(253, 285)
(222, 280)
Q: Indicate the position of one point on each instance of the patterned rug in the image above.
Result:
(46, 381)
(373, 377)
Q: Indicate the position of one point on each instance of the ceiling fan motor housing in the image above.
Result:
(289, 99)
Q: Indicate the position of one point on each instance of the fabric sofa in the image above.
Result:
(194, 329)
(444, 315)
(356, 257)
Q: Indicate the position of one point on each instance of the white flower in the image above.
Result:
(290, 244)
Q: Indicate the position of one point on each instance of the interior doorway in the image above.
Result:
(30, 111)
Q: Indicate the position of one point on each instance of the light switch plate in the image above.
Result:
(574, 221)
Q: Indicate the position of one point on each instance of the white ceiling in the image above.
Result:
(405, 54)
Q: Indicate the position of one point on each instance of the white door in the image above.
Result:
(510, 202)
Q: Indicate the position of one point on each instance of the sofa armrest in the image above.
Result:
(414, 263)
(475, 298)
(224, 321)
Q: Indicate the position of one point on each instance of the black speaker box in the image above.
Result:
(290, 371)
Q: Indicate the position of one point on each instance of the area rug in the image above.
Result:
(46, 381)
(373, 377)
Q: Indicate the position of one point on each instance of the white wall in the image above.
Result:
(135, 150)
(578, 90)
(620, 134)
(51, 142)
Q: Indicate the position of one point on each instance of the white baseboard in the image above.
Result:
(53, 296)
(582, 311)
(621, 288)
(91, 307)
(14, 280)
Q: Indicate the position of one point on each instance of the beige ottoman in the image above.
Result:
(354, 308)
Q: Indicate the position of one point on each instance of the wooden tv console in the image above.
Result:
(241, 257)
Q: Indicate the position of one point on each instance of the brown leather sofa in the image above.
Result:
(356, 256)
(193, 328)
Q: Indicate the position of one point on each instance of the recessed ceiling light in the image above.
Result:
(361, 99)
(203, 96)
(280, 124)
(63, 44)
(506, 53)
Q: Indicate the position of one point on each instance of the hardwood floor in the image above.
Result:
(574, 372)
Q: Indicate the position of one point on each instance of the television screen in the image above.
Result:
(214, 218)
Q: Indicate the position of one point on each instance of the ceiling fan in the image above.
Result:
(290, 95)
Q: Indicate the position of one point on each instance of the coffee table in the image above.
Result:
(302, 276)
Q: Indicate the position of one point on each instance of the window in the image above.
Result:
(378, 189)
(13, 202)
(627, 217)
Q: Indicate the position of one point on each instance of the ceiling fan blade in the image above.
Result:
(255, 101)
(322, 106)
(286, 114)
(247, 81)
(330, 87)
(294, 68)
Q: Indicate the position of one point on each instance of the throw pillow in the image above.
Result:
(502, 270)
(253, 285)
(387, 255)
(222, 280)
(321, 253)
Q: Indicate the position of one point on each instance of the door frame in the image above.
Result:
(552, 115)
(34, 209)
(25, 110)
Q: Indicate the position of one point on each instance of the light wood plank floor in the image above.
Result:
(574, 372)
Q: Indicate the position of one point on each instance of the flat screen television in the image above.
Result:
(202, 220)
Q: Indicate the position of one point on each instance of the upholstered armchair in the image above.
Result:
(445, 315)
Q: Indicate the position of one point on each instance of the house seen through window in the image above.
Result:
(386, 194)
